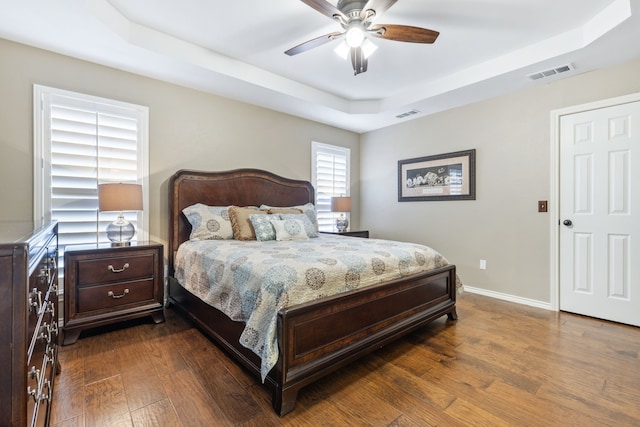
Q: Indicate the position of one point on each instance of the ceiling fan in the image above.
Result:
(356, 18)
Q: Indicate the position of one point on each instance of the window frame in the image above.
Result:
(42, 149)
(335, 150)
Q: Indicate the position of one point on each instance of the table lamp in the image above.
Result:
(341, 204)
(120, 197)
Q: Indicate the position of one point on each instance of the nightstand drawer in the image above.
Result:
(114, 295)
(105, 284)
(111, 269)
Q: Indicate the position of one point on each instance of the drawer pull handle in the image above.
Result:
(46, 397)
(35, 300)
(114, 270)
(114, 296)
(34, 374)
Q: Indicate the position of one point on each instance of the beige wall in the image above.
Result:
(512, 137)
(195, 130)
(188, 129)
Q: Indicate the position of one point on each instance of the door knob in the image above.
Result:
(567, 222)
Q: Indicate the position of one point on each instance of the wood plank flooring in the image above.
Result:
(500, 364)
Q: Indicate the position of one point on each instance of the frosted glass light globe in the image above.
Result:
(355, 36)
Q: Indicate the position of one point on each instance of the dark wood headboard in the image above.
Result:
(240, 187)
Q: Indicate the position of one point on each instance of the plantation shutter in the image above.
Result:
(330, 178)
(88, 141)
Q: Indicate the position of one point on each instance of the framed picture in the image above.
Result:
(450, 176)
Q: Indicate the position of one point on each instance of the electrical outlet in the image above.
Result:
(483, 264)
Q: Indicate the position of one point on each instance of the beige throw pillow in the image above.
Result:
(241, 224)
(284, 211)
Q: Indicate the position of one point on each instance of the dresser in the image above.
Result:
(105, 284)
(28, 322)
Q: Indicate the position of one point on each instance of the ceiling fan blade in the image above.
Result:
(380, 7)
(358, 60)
(324, 7)
(403, 33)
(310, 44)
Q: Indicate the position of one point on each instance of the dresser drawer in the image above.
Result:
(113, 295)
(112, 268)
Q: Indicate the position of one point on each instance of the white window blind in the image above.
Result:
(82, 141)
(330, 177)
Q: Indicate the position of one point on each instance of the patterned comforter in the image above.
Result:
(252, 281)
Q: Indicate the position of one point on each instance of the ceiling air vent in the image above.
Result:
(550, 72)
(407, 114)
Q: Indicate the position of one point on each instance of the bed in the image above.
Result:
(313, 338)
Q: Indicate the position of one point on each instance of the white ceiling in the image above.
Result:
(236, 49)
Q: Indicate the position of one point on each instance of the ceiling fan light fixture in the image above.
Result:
(342, 50)
(368, 47)
(355, 36)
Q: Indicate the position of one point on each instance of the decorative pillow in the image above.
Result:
(240, 223)
(274, 211)
(308, 226)
(208, 222)
(262, 226)
(308, 209)
(289, 229)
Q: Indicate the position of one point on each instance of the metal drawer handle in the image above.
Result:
(34, 374)
(50, 308)
(33, 392)
(113, 270)
(53, 329)
(112, 295)
(44, 275)
(45, 333)
(46, 397)
(50, 353)
(35, 300)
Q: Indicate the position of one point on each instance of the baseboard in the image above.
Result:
(507, 297)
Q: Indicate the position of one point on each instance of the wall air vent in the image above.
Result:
(550, 72)
(407, 114)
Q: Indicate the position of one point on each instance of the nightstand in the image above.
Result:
(358, 233)
(104, 284)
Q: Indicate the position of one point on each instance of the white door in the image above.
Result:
(600, 213)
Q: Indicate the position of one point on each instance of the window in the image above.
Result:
(330, 177)
(82, 141)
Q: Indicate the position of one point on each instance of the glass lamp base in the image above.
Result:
(342, 224)
(120, 232)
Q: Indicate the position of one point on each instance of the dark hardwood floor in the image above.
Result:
(499, 364)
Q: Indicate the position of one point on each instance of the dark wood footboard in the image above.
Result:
(319, 337)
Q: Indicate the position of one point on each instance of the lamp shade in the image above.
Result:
(341, 204)
(120, 197)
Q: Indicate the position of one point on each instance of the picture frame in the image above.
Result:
(449, 176)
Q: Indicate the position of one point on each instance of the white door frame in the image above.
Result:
(554, 191)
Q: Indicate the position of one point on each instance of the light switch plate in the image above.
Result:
(542, 206)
